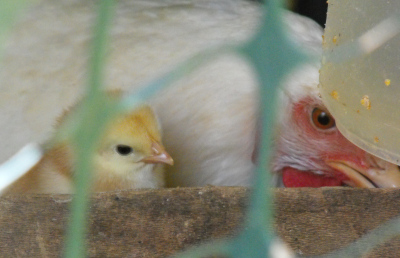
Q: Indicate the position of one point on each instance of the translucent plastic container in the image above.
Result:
(360, 74)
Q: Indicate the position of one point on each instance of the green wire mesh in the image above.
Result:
(9, 12)
(269, 48)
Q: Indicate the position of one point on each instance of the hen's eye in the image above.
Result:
(322, 119)
(123, 149)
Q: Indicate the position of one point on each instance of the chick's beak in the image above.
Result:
(158, 155)
(383, 174)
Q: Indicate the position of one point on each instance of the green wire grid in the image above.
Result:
(270, 48)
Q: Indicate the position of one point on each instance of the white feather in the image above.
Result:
(209, 118)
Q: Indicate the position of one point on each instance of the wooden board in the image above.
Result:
(158, 223)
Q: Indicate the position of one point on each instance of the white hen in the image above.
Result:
(209, 119)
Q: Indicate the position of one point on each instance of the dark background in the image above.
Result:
(315, 9)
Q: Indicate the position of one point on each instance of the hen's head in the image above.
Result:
(309, 149)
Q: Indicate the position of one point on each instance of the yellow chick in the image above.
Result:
(129, 155)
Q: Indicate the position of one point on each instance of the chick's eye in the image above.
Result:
(123, 149)
(322, 119)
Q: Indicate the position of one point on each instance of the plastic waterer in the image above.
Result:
(360, 74)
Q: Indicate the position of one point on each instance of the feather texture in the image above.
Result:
(129, 155)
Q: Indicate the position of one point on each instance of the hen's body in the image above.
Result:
(209, 118)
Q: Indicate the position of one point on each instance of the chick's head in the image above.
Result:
(131, 143)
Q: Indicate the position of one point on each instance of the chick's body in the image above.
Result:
(129, 155)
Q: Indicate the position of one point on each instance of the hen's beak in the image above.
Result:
(383, 175)
(159, 155)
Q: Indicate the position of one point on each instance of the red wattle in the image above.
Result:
(292, 177)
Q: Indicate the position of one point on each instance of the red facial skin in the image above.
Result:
(324, 145)
(313, 147)
(292, 177)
